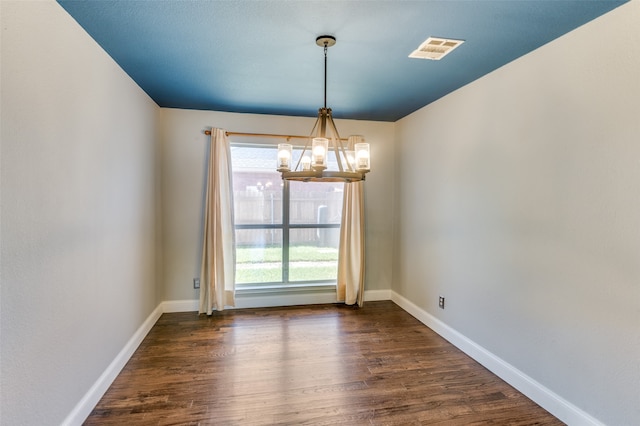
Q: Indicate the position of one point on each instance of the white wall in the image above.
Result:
(519, 201)
(183, 173)
(78, 204)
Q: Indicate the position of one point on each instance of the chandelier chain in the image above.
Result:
(326, 47)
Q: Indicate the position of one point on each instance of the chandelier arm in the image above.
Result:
(306, 145)
(315, 126)
(337, 151)
(337, 144)
(350, 167)
(342, 149)
(300, 159)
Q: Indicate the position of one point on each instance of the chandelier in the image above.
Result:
(352, 162)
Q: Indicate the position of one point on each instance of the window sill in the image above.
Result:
(253, 289)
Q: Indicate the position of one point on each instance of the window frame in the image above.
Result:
(286, 226)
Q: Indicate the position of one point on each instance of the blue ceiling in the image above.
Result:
(261, 57)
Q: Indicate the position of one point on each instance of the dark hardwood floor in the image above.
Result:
(314, 365)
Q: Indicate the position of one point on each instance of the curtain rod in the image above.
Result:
(266, 135)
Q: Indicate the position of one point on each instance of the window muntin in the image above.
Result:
(286, 232)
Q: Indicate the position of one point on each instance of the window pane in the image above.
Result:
(316, 202)
(257, 186)
(313, 254)
(258, 255)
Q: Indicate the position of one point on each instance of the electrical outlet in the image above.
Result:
(441, 302)
(196, 283)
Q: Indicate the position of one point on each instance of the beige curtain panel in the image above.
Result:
(351, 253)
(217, 273)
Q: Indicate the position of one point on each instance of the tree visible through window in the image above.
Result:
(286, 232)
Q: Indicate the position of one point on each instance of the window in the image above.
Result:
(287, 233)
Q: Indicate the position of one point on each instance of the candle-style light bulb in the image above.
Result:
(284, 156)
(306, 163)
(363, 160)
(319, 147)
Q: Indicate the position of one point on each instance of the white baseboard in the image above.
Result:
(82, 410)
(550, 401)
(376, 295)
(169, 306)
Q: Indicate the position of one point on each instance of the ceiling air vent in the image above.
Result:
(435, 48)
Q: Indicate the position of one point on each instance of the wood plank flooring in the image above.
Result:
(313, 365)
